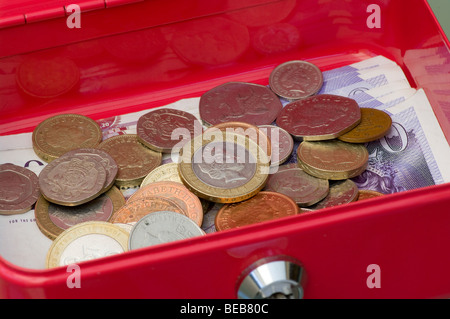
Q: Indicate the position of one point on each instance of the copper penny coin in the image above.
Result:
(47, 77)
(135, 161)
(373, 126)
(249, 130)
(19, 189)
(210, 41)
(262, 207)
(106, 160)
(53, 219)
(341, 192)
(320, 117)
(176, 192)
(134, 210)
(61, 133)
(72, 180)
(366, 194)
(295, 80)
(239, 102)
(155, 129)
(333, 159)
(281, 142)
(303, 188)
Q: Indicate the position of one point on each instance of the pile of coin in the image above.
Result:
(235, 160)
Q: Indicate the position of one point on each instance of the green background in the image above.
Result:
(441, 9)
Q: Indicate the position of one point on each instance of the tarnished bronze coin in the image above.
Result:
(295, 80)
(19, 189)
(227, 168)
(262, 207)
(47, 77)
(106, 160)
(333, 159)
(341, 192)
(303, 188)
(135, 161)
(239, 102)
(53, 219)
(251, 131)
(61, 133)
(190, 203)
(72, 180)
(281, 142)
(155, 129)
(373, 126)
(320, 117)
(366, 194)
(133, 211)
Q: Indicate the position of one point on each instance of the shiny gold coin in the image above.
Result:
(373, 126)
(53, 219)
(166, 172)
(224, 168)
(334, 159)
(87, 241)
(135, 161)
(366, 194)
(62, 133)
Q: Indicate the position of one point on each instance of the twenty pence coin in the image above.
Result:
(281, 142)
(87, 241)
(19, 189)
(262, 207)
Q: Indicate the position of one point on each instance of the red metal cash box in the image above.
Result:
(406, 234)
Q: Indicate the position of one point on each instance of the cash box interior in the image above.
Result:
(137, 55)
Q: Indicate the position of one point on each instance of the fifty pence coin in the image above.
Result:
(281, 142)
(53, 219)
(320, 117)
(72, 180)
(87, 241)
(303, 188)
(133, 211)
(162, 227)
(262, 207)
(155, 128)
(61, 133)
(239, 102)
(228, 168)
(295, 80)
(135, 161)
(373, 126)
(106, 160)
(332, 159)
(341, 192)
(177, 192)
(19, 189)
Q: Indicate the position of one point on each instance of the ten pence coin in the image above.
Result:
(320, 117)
(262, 207)
(295, 80)
(19, 189)
(333, 159)
(373, 126)
(61, 133)
(239, 102)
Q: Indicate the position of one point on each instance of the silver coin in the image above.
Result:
(162, 227)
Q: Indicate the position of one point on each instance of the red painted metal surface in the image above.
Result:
(406, 234)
